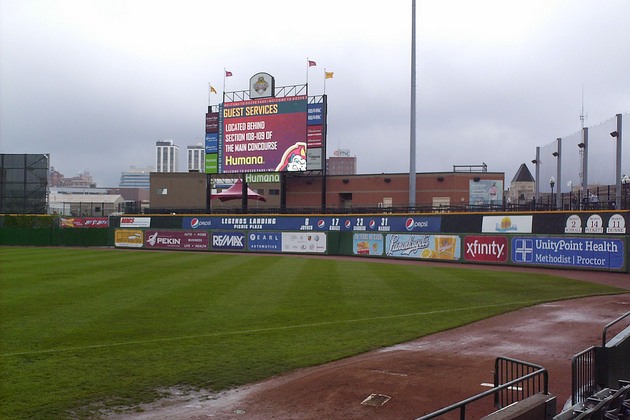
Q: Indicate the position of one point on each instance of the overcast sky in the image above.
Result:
(96, 83)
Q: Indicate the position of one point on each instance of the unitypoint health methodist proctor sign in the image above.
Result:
(263, 135)
(575, 252)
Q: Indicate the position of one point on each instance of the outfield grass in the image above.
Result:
(83, 329)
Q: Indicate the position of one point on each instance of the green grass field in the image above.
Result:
(85, 329)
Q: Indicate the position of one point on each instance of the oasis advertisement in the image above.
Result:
(264, 135)
(367, 244)
(575, 252)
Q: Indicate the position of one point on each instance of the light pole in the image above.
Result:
(558, 155)
(625, 185)
(552, 183)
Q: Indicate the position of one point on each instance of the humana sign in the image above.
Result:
(266, 177)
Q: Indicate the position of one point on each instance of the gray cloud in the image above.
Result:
(96, 84)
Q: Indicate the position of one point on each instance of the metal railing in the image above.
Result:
(610, 324)
(506, 370)
(536, 381)
(583, 383)
(584, 368)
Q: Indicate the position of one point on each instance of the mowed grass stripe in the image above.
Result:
(82, 328)
(264, 330)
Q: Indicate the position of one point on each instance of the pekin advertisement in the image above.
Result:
(592, 253)
(176, 239)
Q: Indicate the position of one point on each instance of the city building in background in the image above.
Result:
(341, 163)
(82, 180)
(522, 187)
(196, 158)
(166, 156)
(136, 177)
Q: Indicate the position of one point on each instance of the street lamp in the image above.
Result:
(625, 184)
(552, 183)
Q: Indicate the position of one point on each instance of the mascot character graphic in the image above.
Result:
(293, 159)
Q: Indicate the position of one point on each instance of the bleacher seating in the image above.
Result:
(606, 404)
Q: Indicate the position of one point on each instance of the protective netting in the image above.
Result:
(597, 161)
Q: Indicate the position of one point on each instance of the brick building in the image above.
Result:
(437, 189)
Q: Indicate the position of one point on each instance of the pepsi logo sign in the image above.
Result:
(196, 223)
(411, 224)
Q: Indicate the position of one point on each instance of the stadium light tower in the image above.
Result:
(412, 128)
(617, 135)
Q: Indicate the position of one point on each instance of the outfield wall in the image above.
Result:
(575, 240)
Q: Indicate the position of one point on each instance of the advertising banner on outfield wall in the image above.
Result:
(129, 221)
(176, 239)
(128, 238)
(314, 242)
(265, 241)
(84, 222)
(427, 224)
(592, 253)
(506, 224)
(486, 249)
(367, 244)
(443, 247)
(228, 241)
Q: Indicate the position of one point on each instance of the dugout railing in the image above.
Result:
(514, 380)
(597, 367)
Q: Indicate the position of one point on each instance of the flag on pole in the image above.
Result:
(311, 63)
(329, 74)
(228, 73)
(212, 89)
